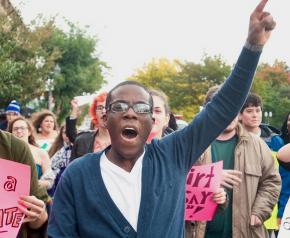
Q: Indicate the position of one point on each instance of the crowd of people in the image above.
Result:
(126, 176)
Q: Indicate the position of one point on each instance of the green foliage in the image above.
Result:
(184, 83)
(20, 48)
(80, 70)
(30, 55)
(187, 83)
(273, 85)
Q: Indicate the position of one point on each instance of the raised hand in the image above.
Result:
(261, 25)
(75, 108)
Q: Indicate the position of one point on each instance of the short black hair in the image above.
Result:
(128, 82)
(253, 100)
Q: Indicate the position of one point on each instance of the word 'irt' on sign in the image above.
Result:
(194, 179)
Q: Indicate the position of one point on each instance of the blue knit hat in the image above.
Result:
(13, 106)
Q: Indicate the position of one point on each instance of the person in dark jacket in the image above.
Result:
(89, 141)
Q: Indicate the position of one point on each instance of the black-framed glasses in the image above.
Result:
(139, 107)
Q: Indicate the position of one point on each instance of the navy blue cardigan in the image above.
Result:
(83, 207)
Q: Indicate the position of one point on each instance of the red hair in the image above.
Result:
(97, 100)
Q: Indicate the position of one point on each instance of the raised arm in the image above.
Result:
(190, 142)
(71, 121)
(283, 156)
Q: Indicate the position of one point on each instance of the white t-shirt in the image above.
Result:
(124, 187)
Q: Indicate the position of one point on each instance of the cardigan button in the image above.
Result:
(127, 229)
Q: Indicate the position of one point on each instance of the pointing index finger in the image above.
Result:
(261, 6)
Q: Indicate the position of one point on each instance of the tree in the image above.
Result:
(158, 73)
(20, 49)
(184, 83)
(273, 85)
(195, 79)
(80, 69)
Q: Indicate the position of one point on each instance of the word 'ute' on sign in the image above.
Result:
(10, 217)
(194, 180)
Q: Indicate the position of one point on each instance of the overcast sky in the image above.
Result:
(132, 32)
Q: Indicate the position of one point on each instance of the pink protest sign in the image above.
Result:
(14, 181)
(202, 181)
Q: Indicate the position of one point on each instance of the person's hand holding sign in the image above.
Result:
(220, 196)
(34, 211)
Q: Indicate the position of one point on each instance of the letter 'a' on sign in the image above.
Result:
(14, 182)
(201, 183)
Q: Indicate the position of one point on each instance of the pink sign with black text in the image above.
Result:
(14, 182)
(202, 181)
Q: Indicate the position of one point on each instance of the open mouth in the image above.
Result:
(129, 133)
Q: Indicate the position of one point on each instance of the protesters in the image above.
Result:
(160, 114)
(59, 153)
(12, 111)
(89, 141)
(110, 182)
(46, 129)
(22, 129)
(251, 118)
(11, 148)
(250, 197)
